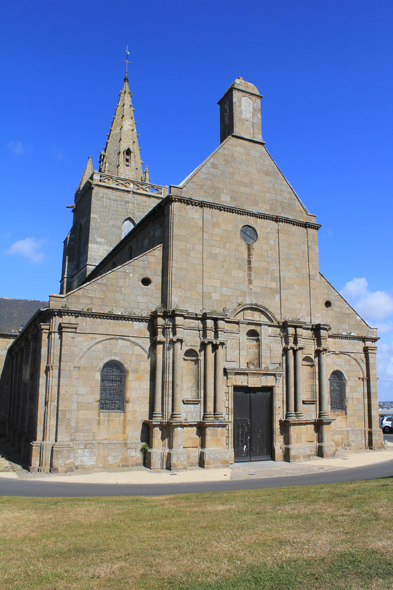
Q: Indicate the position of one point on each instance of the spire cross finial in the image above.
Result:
(126, 61)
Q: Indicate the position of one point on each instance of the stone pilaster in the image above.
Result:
(219, 381)
(51, 394)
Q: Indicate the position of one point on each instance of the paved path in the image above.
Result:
(16, 481)
(39, 488)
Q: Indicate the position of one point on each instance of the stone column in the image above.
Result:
(208, 382)
(323, 398)
(157, 412)
(374, 433)
(290, 414)
(177, 379)
(218, 382)
(298, 383)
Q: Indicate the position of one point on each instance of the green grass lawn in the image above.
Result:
(332, 536)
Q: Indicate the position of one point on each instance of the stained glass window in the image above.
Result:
(337, 391)
(112, 387)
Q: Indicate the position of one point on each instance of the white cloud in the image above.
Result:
(385, 370)
(375, 306)
(355, 288)
(17, 147)
(371, 305)
(31, 248)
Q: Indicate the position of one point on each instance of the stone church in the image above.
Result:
(193, 327)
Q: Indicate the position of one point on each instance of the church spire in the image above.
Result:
(121, 156)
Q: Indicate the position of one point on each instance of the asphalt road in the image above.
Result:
(38, 489)
(388, 437)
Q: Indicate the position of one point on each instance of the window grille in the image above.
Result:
(337, 391)
(112, 387)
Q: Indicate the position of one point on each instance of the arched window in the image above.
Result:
(112, 391)
(337, 391)
(127, 226)
(253, 349)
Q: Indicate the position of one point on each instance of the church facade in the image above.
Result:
(193, 327)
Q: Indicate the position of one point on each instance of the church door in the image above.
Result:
(252, 425)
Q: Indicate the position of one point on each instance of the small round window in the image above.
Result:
(146, 281)
(248, 234)
(328, 304)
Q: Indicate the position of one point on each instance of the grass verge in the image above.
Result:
(332, 536)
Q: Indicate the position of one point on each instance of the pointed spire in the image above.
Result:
(121, 156)
(87, 173)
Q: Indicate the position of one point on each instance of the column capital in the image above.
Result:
(159, 339)
(220, 343)
(370, 349)
(68, 327)
(176, 339)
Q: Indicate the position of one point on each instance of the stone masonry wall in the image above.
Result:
(120, 291)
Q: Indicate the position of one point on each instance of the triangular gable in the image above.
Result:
(241, 173)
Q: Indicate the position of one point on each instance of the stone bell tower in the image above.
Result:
(240, 112)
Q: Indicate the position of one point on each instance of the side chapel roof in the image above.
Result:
(15, 313)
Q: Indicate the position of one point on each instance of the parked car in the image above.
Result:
(386, 424)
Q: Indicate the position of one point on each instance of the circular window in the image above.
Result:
(146, 281)
(248, 234)
(328, 304)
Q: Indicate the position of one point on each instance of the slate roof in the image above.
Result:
(15, 313)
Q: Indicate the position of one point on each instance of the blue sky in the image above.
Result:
(324, 68)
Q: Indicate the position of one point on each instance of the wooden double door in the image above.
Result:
(252, 425)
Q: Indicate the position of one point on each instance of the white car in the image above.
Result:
(386, 424)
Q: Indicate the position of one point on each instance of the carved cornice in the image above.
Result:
(244, 212)
(75, 313)
(353, 337)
